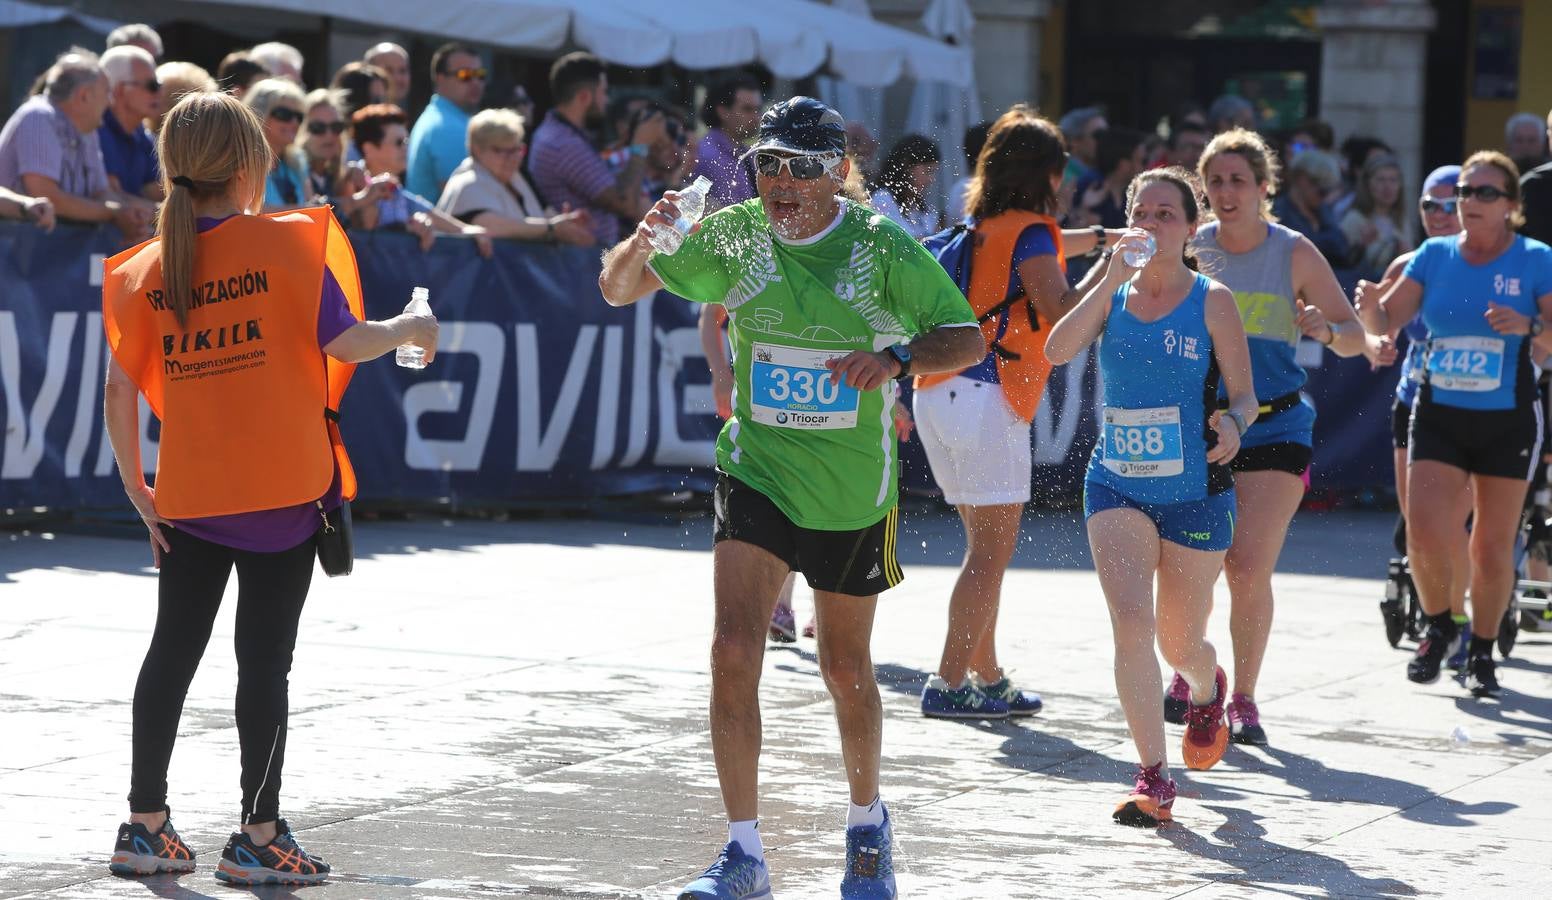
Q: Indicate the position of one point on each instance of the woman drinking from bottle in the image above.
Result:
(1159, 495)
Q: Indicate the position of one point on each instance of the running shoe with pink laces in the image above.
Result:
(1177, 700)
(1150, 803)
(1207, 736)
(1245, 722)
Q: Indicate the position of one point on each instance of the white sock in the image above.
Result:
(871, 816)
(747, 836)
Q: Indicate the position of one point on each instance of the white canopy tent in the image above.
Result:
(941, 111)
(793, 38)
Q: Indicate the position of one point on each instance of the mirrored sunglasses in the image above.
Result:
(806, 167)
(1447, 207)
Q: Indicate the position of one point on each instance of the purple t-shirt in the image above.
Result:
(274, 530)
(567, 169)
(719, 160)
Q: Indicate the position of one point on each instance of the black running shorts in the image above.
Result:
(1288, 456)
(1400, 424)
(1497, 443)
(861, 563)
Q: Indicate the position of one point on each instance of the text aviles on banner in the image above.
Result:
(540, 389)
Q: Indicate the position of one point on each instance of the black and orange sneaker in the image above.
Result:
(281, 861)
(140, 851)
(1151, 801)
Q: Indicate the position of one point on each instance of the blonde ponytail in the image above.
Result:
(210, 146)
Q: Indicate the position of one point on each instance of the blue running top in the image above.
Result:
(1160, 386)
(1469, 365)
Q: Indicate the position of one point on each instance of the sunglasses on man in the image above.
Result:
(321, 128)
(286, 114)
(150, 84)
(1430, 205)
(469, 74)
(805, 167)
(1484, 192)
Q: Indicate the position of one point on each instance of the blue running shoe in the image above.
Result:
(870, 863)
(939, 701)
(1020, 702)
(1457, 660)
(734, 876)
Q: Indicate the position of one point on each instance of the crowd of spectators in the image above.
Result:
(83, 149)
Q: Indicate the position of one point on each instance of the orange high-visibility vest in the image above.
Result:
(1024, 370)
(248, 401)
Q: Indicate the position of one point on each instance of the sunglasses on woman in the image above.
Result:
(805, 167)
(1430, 205)
(322, 128)
(286, 114)
(1484, 192)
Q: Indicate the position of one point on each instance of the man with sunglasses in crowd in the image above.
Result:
(564, 158)
(439, 140)
(829, 304)
(134, 96)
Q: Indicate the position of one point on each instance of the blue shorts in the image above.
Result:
(1206, 524)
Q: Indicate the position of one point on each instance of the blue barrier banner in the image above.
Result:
(539, 390)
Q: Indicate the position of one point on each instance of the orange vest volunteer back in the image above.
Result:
(246, 398)
(991, 270)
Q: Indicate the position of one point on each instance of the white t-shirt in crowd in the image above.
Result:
(917, 223)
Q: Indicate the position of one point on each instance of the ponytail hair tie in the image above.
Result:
(183, 181)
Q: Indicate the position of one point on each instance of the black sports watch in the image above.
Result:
(1099, 241)
(1536, 326)
(902, 355)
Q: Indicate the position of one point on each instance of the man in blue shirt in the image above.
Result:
(128, 150)
(439, 140)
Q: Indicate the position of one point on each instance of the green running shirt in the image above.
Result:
(823, 452)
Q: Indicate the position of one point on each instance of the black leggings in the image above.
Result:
(271, 588)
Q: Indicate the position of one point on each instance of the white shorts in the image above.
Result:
(978, 447)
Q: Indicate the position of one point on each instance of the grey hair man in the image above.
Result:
(282, 60)
(1231, 111)
(49, 148)
(1079, 127)
(137, 35)
(395, 63)
(134, 97)
(1525, 140)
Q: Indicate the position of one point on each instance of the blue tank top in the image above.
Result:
(1468, 364)
(1262, 282)
(1159, 387)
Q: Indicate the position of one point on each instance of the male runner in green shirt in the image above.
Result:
(827, 304)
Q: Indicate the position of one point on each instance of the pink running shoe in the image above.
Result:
(1177, 700)
(1245, 722)
(1150, 803)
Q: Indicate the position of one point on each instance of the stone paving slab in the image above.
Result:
(518, 709)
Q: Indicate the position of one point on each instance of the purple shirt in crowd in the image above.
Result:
(567, 168)
(274, 530)
(38, 139)
(718, 159)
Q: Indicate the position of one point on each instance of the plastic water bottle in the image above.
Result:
(410, 356)
(667, 239)
(1139, 258)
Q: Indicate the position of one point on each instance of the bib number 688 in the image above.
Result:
(1135, 442)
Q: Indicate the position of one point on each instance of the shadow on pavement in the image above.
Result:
(1347, 544)
(1241, 842)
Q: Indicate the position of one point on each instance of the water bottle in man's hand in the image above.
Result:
(411, 356)
(666, 239)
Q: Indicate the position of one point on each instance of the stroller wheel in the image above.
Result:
(1509, 628)
(1395, 620)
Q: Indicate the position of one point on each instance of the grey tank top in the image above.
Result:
(1262, 282)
